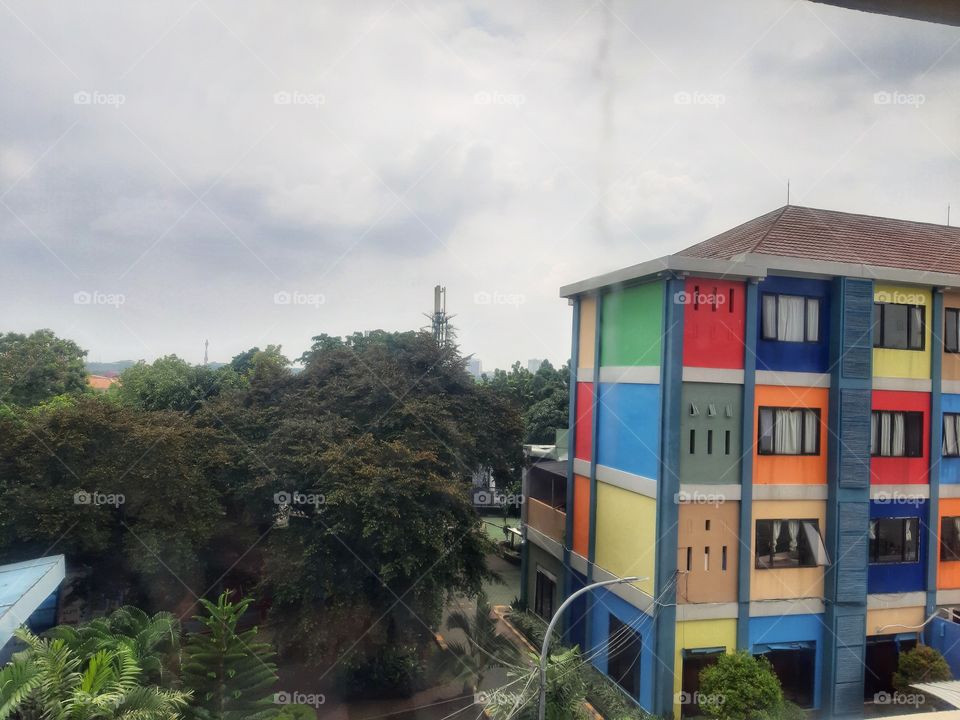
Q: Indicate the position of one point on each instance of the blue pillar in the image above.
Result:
(571, 453)
(936, 438)
(746, 466)
(668, 486)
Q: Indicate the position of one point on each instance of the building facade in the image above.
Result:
(766, 429)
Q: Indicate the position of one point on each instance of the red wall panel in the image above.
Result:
(713, 323)
(583, 427)
(903, 470)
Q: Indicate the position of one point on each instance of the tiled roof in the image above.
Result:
(801, 232)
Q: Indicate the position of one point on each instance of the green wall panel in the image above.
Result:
(632, 326)
(718, 466)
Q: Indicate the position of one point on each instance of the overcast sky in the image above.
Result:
(255, 173)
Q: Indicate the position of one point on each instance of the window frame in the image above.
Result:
(873, 545)
(806, 326)
(878, 334)
(803, 430)
(947, 313)
(875, 446)
(543, 577)
(942, 540)
(801, 539)
(943, 435)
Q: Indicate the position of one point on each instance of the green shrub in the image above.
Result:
(297, 712)
(919, 665)
(739, 686)
(396, 671)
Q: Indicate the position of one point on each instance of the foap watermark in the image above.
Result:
(285, 297)
(899, 698)
(484, 297)
(899, 297)
(295, 497)
(497, 697)
(96, 97)
(95, 297)
(295, 697)
(896, 497)
(493, 498)
(696, 297)
(714, 100)
(96, 498)
(894, 97)
(485, 97)
(698, 698)
(298, 97)
(698, 497)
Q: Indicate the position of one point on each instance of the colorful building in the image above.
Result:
(766, 428)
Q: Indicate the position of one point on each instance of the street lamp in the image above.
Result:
(553, 621)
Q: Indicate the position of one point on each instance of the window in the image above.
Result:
(951, 330)
(789, 543)
(951, 435)
(624, 646)
(790, 318)
(894, 540)
(543, 600)
(789, 431)
(899, 327)
(949, 539)
(896, 434)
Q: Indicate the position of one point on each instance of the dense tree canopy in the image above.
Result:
(541, 397)
(170, 383)
(37, 367)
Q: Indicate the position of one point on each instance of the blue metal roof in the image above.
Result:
(23, 588)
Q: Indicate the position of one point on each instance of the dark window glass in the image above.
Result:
(788, 431)
(543, 602)
(896, 434)
(624, 649)
(951, 329)
(950, 539)
(898, 327)
(894, 540)
(789, 543)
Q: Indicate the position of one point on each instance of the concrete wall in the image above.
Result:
(785, 583)
(791, 469)
(716, 584)
(717, 465)
(904, 363)
(632, 325)
(626, 534)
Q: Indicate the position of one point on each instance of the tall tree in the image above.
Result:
(39, 366)
(228, 670)
(170, 383)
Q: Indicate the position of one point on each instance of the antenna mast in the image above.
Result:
(206, 348)
(439, 319)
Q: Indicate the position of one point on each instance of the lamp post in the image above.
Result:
(553, 621)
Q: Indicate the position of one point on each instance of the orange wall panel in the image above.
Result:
(581, 515)
(948, 573)
(951, 361)
(791, 469)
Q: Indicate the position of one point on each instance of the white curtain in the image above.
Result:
(810, 428)
(777, 524)
(787, 436)
(769, 316)
(950, 434)
(908, 530)
(916, 327)
(790, 310)
(815, 542)
(813, 319)
(885, 433)
(793, 527)
(873, 433)
(873, 529)
(899, 445)
(956, 525)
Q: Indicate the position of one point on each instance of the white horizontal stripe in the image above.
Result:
(640, 375)
(795, 379)
(948, 597)
(789, 492)
(545, 543)
(578, 563)
(950, 386)
(899, 493)
(627, 481)
(799, 606)
(902, 384)
(713, 375)
(702, 493)
(949, 490)
(584, 374)
(628, 593)
(889, 601)
(707, 611)
(581, 467)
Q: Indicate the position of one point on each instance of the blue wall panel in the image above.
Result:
(790, 628)
(900, 577)
(577, 612)
(795, 356)
(605, 603)
(945, 637)
(629, 428)
(950, 467)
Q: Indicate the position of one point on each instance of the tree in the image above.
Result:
(170, 383)
(565, 691)
(229, 672)
(255, 360)
(922, 664)
(37, 367)
(484, 647)
(739, 686)
(52, 680)
(542, 398)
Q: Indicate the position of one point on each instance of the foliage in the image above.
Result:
(542, 398)
(170, 383)
(484, 648)
(564, 695)
(37, 367)
(124, 494)
(52, 680)
(395, 671)
(739, 686)
(921, 664)
(297, 712)
(259, 363)
(229, 672)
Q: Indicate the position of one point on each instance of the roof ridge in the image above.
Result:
(872, 217)
(769, 228)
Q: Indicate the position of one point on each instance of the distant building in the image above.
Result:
(474, 367)
(533, 364)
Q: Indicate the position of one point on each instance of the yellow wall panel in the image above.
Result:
(694, 634)
(588, 331)
(785, 583)
(888, 621)
(904, 363)
(626, 533)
